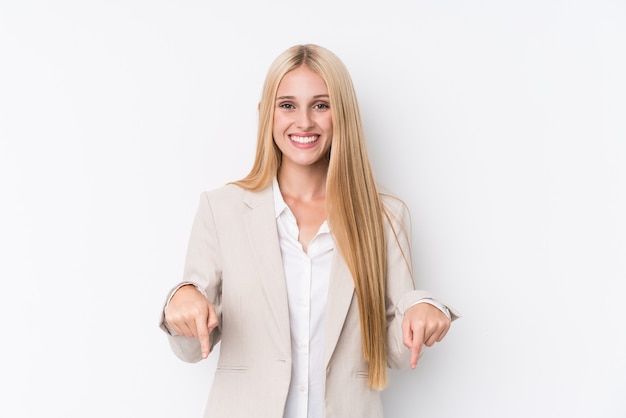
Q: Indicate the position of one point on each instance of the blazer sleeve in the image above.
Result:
(202, 269)
(400, 285)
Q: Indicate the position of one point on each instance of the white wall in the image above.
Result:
(500, 123)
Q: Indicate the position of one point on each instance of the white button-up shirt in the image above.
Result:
(307, 274)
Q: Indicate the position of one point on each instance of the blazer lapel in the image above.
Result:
(340, 293)
(260, 223)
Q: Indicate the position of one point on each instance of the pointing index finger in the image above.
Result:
(416, 346)
(202, 330)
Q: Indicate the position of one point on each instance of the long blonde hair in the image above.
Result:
(355, 212)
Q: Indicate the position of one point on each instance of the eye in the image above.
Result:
(288, 106)
(321, 106)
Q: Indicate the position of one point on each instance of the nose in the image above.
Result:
(304, 119)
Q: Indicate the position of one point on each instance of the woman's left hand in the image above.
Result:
(423, 324)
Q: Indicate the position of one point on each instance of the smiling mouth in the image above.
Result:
(304, 139)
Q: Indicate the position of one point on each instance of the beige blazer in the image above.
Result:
(234, 255)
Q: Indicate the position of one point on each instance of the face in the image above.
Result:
(303, 123)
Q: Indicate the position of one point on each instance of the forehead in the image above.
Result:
(302, 81)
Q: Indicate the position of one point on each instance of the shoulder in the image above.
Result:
(232, 194)
(221, 198)
(227, 192)
(392, 203)
(395, 211)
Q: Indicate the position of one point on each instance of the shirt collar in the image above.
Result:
(279, 202)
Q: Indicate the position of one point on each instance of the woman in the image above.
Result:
(303, 268)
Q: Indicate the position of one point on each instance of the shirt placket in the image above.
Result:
(304, 335)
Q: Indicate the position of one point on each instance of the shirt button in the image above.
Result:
(302, 388)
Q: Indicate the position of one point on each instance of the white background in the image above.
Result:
(502, 124)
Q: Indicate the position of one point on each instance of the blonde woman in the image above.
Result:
(302, 270)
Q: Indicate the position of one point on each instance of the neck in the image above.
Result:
(303, 183)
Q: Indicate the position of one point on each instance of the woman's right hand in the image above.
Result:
(189, 313)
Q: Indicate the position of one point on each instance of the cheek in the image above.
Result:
(278, 124)
(327, 118)
(329, 124)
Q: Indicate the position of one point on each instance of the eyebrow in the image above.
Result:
(319, 96)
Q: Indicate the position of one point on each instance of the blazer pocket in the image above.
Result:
(362, 375)
(231, 369)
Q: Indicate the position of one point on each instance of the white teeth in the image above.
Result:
(303, 139)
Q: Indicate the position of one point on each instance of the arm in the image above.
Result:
(414, 317)
(191, 318)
